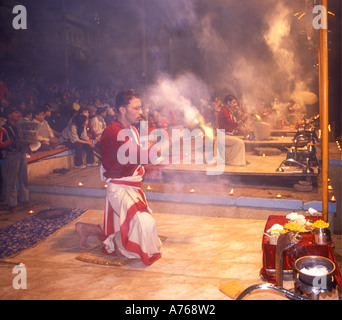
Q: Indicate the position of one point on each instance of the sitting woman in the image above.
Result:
(74, 136)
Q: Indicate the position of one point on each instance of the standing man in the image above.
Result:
(129, 229)
(15, 168)
(235, 154)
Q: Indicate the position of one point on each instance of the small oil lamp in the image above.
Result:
(80, 184)
(231, 192)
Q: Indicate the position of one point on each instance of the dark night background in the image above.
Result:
(130, 43)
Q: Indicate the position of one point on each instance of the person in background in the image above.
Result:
(45, 134)
(110, 115)
(96, 126)
(75, 136)
(15, 166)
(76, 104)
(235, 153)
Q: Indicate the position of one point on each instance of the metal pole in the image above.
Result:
(324, 112)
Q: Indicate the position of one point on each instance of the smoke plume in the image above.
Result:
(247, 48)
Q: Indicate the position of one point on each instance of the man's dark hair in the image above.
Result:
(100, 110)
(38, 111)
(228, 98)
(123, 98)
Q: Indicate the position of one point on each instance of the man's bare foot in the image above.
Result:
(81, 229)
(84, 230)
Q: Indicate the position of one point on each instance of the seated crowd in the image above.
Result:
(68, 116)
(72, 116)
(75, 116)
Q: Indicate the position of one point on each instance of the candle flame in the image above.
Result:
(231, 192)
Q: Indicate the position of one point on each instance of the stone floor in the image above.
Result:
(199, 254)
(206, 245)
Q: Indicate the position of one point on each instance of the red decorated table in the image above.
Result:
(305, 247)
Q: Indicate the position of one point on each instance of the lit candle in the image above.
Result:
(192, 190)
(330, 187)
(264, 155)
(278, 195)
(333, 199)
(231, 192)
(80, 184)
(149, 188)
(105, 186)
(31, 211)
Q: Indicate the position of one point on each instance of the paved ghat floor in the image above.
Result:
(199, 254)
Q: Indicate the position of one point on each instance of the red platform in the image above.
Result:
(305, 247)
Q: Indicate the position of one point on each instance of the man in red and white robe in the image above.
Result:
(129, 228)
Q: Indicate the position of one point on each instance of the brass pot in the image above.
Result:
(321, 236)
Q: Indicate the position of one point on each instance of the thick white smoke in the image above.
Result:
(246, 48)
(182, 93)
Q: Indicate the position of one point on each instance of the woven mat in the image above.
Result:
(97, 256)
(28, 232)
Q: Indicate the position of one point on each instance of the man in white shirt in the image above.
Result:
(97, 124)
(45, 134)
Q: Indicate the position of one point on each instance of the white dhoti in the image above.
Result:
(128, 224)
(234, 151)
(262, 130)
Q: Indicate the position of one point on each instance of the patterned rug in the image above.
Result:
(28, 232)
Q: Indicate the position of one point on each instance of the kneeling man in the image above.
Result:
(129, 229)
